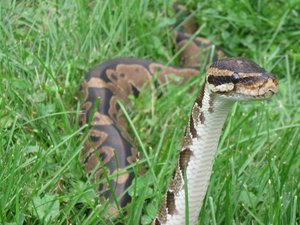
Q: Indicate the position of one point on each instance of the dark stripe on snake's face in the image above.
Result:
(218, 80)
(234, 78)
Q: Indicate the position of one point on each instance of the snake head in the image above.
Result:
(240, 79)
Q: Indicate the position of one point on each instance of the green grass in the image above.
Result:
(46, 47)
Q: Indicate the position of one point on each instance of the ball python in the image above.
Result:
(109, 150)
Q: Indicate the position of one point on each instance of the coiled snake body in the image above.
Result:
(109, 147)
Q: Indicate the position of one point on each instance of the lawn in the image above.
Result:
(46, 48)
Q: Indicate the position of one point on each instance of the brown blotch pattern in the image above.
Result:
(86, 106)
(192, 127)
(90, 146)
(101, 119)
(211, 103)
(134, 155)
(187, 140)
(162, 212)
(157, 222)
(177, 180)
(184, 158)
(196, 113)
(109, 153)
(171, 203)
(99, 174)
(121, 176)
(96, 82)
(94, 157)
(201, 117)
(124, 76)
(85, 89)
(190, 55)
(167, 71)
(113, 210)
(82, 119)
(200, 96)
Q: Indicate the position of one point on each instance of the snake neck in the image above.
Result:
(195, 159)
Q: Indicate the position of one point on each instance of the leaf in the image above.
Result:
(248, 198)
(45, 109)
(144, 184)
(6, 121)
(151, 210)
(166, 22)
(46, 208)
(19, 220)
(146, 219)
(38, 97)
(21, 84)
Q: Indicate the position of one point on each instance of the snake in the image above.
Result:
(109, 151)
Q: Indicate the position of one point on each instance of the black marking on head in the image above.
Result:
(238, 65)
(219, 80)
(234, 78)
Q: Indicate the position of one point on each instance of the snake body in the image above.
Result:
(108, 141)
(227, 81)
(109, 150)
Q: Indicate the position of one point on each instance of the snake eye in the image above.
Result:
(235, 78)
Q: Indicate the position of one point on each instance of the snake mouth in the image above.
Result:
(269, 88)
(263, 93)
(268, 94)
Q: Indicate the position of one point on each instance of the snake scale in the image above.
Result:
(109, 150)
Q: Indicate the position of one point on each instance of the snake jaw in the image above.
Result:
(263, 87)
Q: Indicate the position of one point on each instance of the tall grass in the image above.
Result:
(46, 47)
